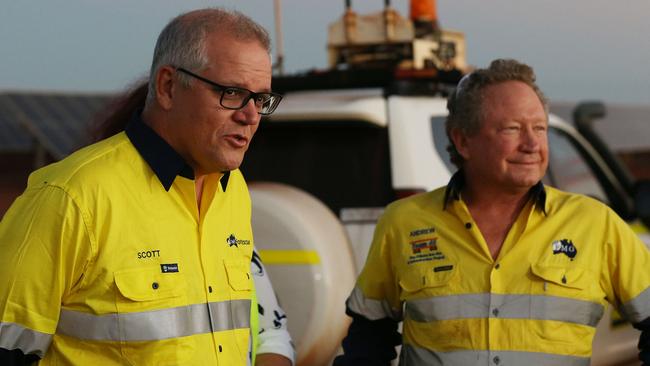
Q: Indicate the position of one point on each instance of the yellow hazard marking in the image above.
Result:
(272, 256)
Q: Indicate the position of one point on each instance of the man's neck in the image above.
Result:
(486, 200)
(494, 212)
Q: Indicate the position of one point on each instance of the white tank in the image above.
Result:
(308, 257)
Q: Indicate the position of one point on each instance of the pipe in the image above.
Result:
(279, 43)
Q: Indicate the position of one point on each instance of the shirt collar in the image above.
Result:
(457, 181)
(161, 157)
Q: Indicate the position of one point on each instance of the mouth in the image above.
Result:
(526, 164)
(237, 140)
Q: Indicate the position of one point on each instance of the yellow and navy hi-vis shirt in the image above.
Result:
(563, 260)
(107, 260)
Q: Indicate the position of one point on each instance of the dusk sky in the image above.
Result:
(581, 49)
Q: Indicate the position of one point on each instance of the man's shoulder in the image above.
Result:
(558, 199)
(93, 164)
(430, 202)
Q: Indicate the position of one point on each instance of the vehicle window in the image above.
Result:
(441, 141)
(568, 170)
(342, 163)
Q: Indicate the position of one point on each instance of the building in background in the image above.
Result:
(37, 128)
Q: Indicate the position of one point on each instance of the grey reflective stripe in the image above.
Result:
(488, 305)
(370, 308)
(228, 315)
(415, 356)
(155, 325)
(15, 336)
(637, 309)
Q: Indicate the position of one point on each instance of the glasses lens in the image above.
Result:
(270, 103)
(234, 98)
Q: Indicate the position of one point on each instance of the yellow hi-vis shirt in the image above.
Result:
(538, 303)
(101, 265)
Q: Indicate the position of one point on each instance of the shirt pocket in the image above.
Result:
(430, 280)
(562, 298)
(564, 279)
(155, 322)
(240, 282)
(238, 273)
(147, 288)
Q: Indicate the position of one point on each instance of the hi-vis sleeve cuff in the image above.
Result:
(371, 309)
(637, 309)
(15, 336)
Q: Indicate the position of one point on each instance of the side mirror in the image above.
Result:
(642, 201)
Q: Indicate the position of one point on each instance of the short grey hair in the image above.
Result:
(182, 43)
(465, 104)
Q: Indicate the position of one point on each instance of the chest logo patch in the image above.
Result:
(425, 250)
(566, 247)
(169, 267)
(233, 241)
(424, 245)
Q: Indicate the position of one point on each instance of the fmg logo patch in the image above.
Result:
(566, 247)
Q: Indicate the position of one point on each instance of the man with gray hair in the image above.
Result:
(136, 250)
(496, 268)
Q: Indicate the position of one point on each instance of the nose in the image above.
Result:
(248, 114)
(531, 139)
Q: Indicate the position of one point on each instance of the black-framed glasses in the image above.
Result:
(233, 97)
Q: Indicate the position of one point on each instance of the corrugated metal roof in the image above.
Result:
(59, 122)
(13, 136)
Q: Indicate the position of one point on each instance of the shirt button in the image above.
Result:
(210, 289)
(496, 360)
(154, 285)
(468, 225)
(563, 279)
(220, 349)
(495, 312)
(497, 266)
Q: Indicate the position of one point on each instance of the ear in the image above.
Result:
(459, 140)
(165, 84)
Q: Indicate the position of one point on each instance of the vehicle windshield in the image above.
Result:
(568, 169)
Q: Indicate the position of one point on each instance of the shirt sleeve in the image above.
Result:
(45, 248)
(374, 306)
(626, 270)
(627, 278)
(273, 334)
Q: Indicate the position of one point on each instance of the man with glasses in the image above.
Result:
(136, 250)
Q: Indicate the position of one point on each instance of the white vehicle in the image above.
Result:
(346, 142)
